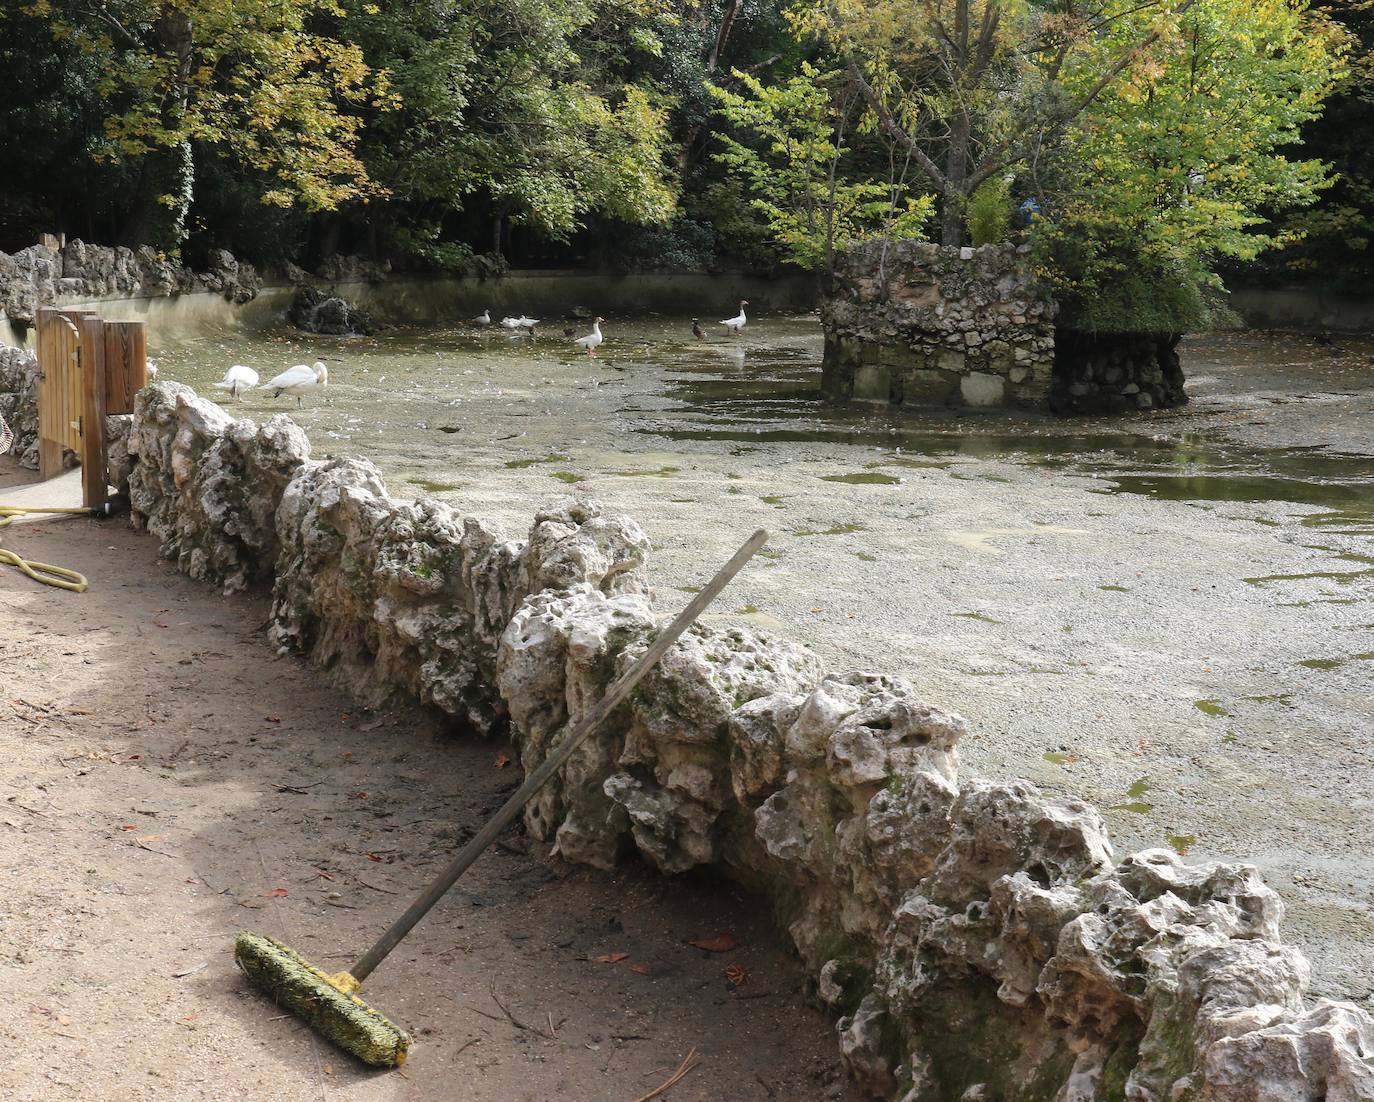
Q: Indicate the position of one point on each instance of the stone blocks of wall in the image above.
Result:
(1116, 372)
(921, 324)
(40, 276)
(19, 402)
(976, 941)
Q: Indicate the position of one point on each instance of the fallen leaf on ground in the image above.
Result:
(640, 969)
(358, 795)
(502, 761)
(129, 826)
(277, 892)
(736, 974)
(326, 875)
(721, 943)
(610, 958)
(272, 719)
(373, 857)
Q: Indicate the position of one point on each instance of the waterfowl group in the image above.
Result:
(591, 341)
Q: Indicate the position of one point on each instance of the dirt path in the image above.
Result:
(168, 780)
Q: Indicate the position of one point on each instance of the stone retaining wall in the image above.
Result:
(917, 323)
(19, 402)
(977, 941)
(40, 276)
(1116, 372)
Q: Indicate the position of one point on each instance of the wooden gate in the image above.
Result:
(87, 367)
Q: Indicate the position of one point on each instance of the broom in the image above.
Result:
(330, 1003)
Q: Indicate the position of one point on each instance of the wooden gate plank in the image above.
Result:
(51, 384)
(93, 466)
(126, 364)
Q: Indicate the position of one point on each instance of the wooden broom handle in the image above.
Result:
(536, 780)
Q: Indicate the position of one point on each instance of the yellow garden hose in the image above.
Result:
(58, 576)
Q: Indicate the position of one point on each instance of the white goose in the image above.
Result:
(484, 318)
(737, 323)
(297, 379)
(592, 339)
(237, 379)
(522, 322)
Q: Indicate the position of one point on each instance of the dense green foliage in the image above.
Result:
(799, 168)
(1158, 140)
(1333, 241)
(1154, 137)
(989, 211)
(1183, 161)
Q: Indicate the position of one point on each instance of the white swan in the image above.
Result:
(737, 323)
(484, 318)
(592, 339)
(238, 378)
(297, 379)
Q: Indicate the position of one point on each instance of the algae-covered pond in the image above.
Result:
(1186, 597)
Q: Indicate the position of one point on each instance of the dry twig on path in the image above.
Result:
(688, 1063)
(512, 1018)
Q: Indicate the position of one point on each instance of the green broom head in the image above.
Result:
(326, 1002)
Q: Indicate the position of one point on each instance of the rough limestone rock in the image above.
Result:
(393, 597)
(1326, 1053)
(40, 276)
(577, 540)
(19, 402)
(208, 486)
(976, 941)
(317, 311)
(343, 268)
(119, 462)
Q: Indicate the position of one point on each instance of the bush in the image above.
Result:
(989, 212)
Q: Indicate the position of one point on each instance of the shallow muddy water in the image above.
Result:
(1170, 615)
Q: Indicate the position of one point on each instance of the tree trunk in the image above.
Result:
(956, 172)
